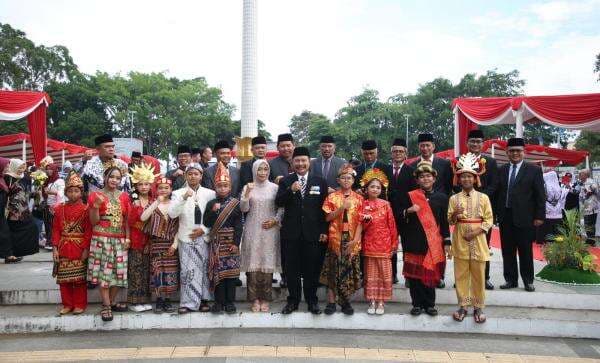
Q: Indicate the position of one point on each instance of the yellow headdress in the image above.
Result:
(424, 167)
(374, 174)
(143, 174)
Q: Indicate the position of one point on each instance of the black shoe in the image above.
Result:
(330, 308)
(273, 281)
(442, 284)
(347, 309)
(529, 288)
(283, 283)
(167, 307)
(289, 308)
(489, 285)
(13, 260)
(431, 311)
(395, 280)
(238, 282)
(158, 306)
(314, 309)
(216, 308)
(91, 286)
(508, 285)
(416, 311)
(230, 308)
(407, 283)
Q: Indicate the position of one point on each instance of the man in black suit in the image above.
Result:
(488, 184)
(369, 154)
(259, 151)
(303, 231)
(402, 181)
(521, 206)
(443, 167)
(327, 164)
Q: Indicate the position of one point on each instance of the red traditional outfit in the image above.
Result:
(380, 240)
(138, 269)
(71, 234)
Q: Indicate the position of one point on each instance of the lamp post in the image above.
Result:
(131, 117)
(406, 116)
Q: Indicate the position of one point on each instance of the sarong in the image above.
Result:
(342, 275)
(164, 278)
(107, 264)
(193, 257)
(378, 278)
(70, 271)
(224, 264)
(138, 270)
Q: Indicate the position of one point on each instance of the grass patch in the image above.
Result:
(568, 275)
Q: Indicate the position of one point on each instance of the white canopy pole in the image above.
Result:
(493, 151)
(456, 133)
(587, 162)
(63, 158)
(519, 125)
(24, 150)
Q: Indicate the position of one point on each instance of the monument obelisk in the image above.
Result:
(249, 120)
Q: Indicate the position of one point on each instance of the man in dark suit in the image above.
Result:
(443, 167)
(184, 158)
(521, 206)
(281, 166)
(223, 152)
(303, 231)
(327, 164)
(402, 181)
(488, 184)
(259, 151)
(369, 154)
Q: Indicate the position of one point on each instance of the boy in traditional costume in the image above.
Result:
(471, 212)
(224, 217)
(71, 234)
(427, 240)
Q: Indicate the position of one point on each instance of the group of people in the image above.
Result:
(316, 221)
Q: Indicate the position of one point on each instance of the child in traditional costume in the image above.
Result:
(107, 263)
(341, 268)
(224, 217)
(164, 262)
(427, 240)
(138, 270)
(71, 233)
(470, 212)
(379, 241)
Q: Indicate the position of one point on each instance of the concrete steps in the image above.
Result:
(501, 320)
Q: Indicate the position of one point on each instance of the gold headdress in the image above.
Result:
(374, 174)
(143, 174)
(73, 180)
(468, 163)
(424, 167)
(347, 169)
(221, 174)
(47, 160)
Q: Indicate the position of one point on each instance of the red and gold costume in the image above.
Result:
(71, 234)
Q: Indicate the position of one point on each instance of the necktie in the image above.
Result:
(511, 184)
(325, 170)
(396, 170)
(302, 186)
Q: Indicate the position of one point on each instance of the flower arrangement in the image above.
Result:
(38, 178)
(569, 259)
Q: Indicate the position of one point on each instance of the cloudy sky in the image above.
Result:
(316, 54)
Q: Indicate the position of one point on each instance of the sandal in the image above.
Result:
(256, 306)
(119, 307)
(264, 307)
(204, 308)
(106, 313)
(65, 311)
(184, 310)
(459, 315)
(479, 316)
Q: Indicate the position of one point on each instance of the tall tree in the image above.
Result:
(26, 66)
(589, 141)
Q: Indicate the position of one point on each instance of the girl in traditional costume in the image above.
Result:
(71, 234)
(379, 241)
(107, 264)
(341, 268)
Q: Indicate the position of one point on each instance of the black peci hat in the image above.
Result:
(221, 144)
(515, 142)
(196, 150)
(475, 134)
(301, 151)
(103, 139)
(399, 142)
(327, 139)
(183, 149)
(426, 137)
(259, 140)
(285, 137)
(136, 154)
(369, 145)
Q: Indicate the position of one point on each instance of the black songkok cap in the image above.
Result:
(196, 150)
(301, 151)
(327, 139)
(285, 137)
(399, 142)
(102, 139)
(259, 140)
(136, 154)
(425, 137)
(515, 141)
(369, 145)
(221, 144)
(475, 134)
(183, 149)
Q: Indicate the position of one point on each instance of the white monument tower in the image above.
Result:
(249, 121)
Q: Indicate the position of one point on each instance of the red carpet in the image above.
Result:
(537, 248)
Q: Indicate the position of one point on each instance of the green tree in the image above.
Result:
(589, 141)
(26, 66)
(308, 127)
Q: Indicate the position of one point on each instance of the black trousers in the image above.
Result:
(303, 261)
(225, 291)
(394, 266)
(488, 237)
(589, 222)
(516, 240)
(421, 295)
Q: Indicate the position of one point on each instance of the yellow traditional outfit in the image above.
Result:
(470, 256)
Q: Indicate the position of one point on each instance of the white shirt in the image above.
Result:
(57, 186)
(184, 209)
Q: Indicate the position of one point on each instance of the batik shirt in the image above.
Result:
(93, 173)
